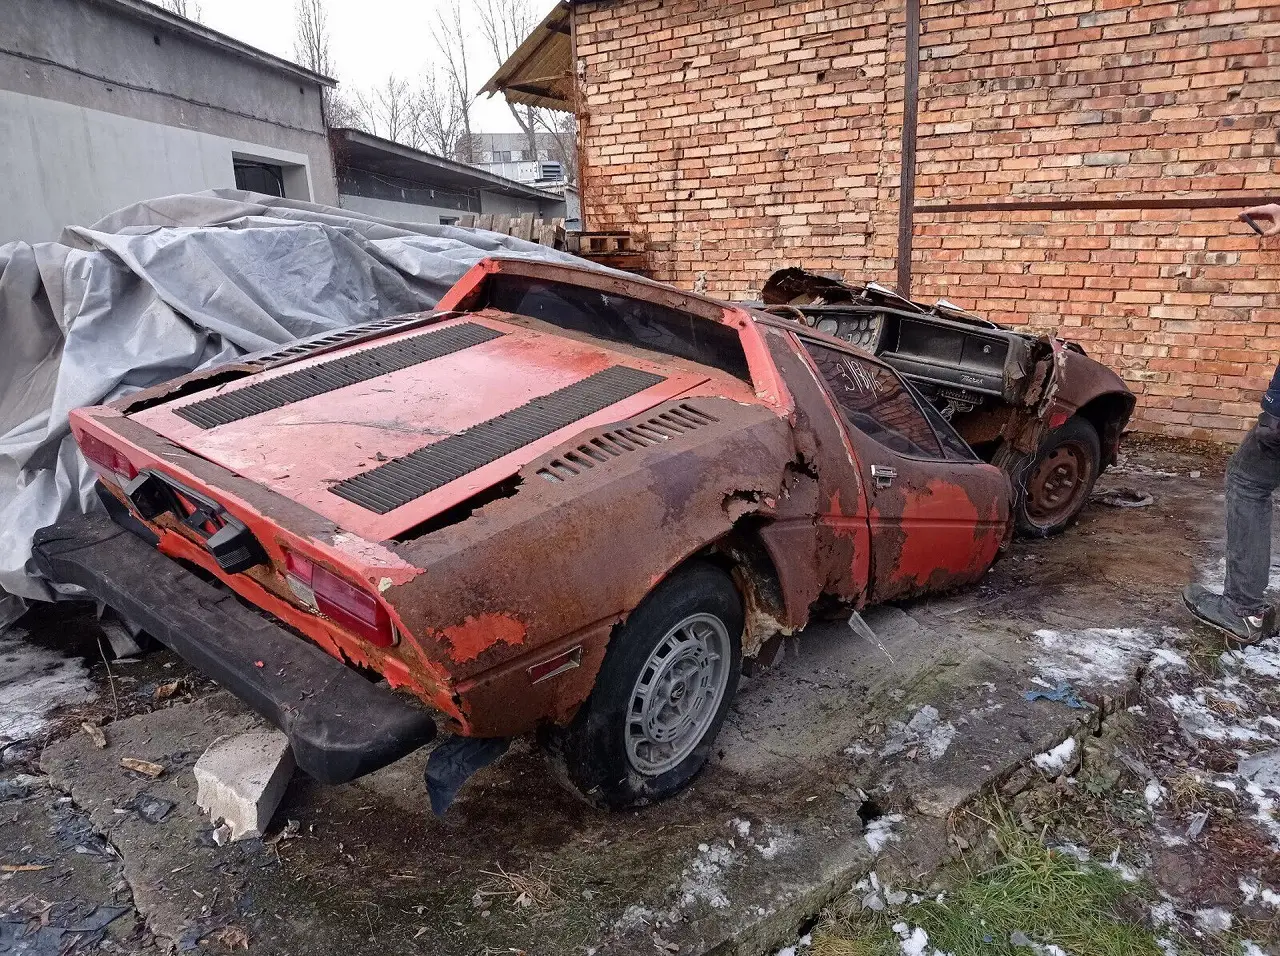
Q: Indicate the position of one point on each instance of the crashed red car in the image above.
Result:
(566, 502)
(1035, 405)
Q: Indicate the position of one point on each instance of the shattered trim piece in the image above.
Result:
(401, 480)
(350, 369)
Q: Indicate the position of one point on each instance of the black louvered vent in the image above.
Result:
(327, 376)
(340, 337)
(621, 441)
(404, 479)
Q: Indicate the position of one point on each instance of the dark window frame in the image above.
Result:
(913, 396)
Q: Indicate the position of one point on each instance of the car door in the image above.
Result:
(937, 515)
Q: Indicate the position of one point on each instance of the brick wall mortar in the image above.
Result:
(739, 137)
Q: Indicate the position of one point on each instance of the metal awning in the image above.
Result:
(540, 72)
(359, 150)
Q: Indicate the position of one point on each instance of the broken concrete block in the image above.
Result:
(241, 780)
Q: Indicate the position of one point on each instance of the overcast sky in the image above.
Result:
(370, 38)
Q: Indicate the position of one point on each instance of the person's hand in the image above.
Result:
(1264, 220)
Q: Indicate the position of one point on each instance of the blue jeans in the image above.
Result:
(1252, 475)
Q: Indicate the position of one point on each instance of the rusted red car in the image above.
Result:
(566, 502)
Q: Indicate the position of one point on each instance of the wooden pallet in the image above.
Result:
(603, 243)
(546, 232)
(618, 250)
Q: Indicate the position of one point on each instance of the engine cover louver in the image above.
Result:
(616, 442)
(342, 336)
(340, 372)
(402, 480)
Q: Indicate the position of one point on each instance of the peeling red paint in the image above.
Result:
(478, 633)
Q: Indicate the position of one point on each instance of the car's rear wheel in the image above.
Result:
(1053, 488)
(667, 681)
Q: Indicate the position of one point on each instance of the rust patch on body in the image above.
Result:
(479, 632)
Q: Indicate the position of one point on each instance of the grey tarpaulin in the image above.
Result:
(166, 286)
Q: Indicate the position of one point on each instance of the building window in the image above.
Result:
(448, 220)
(259, 178)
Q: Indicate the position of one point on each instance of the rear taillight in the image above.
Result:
(353, 607)
(105, 458)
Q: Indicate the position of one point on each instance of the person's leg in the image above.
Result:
(1241, 613)
(1252, 476)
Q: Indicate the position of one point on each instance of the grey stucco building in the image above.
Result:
(107, 102)
(386, 179)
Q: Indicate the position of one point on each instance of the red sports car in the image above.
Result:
(566, 502)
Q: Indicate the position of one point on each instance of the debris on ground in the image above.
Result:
(1123, 498)
(95, 734)
(144, 767)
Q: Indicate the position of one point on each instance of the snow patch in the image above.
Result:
(1252, 890)
(925, 731)
(1164, 657)
(34, 682)
(1154, 793)
(1093, 655)
(703, 879)
(1262, 659)
(1162, 914)
(1200, 714)
(879, 832)
(1214, 920)
(1053, 761)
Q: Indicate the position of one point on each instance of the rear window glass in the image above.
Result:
(620, 318)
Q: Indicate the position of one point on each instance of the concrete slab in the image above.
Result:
(918, 721)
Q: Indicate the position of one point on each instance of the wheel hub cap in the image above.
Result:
(677, 694)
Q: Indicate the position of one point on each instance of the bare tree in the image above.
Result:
(505, 24)
(311, 37)
(183, 8)
(340, 111)
(311, 49)
(440, 118)
(451, 39)
(391, 111)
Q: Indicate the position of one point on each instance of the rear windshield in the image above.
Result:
(620, 318)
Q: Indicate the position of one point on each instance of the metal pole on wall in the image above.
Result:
(907, 174)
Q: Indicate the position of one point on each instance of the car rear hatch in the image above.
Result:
(382, 436)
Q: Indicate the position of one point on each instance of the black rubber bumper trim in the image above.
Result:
(340, 725)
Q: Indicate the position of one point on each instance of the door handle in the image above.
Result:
(883, 475)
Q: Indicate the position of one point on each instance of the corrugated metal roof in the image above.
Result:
(540, 72)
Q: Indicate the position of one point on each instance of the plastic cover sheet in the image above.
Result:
(163, 287)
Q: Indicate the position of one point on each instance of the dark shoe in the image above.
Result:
(1240, 630)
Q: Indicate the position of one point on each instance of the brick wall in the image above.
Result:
(742, 136)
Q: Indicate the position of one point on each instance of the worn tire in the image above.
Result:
(591, 754)
(1076, 447)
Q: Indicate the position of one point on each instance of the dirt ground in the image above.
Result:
(848, 758)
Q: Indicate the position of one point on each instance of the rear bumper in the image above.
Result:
(340, 725)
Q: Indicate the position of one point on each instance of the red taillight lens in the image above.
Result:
(353, 607)
(106, 458)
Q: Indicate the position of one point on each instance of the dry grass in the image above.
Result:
(518, 890)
